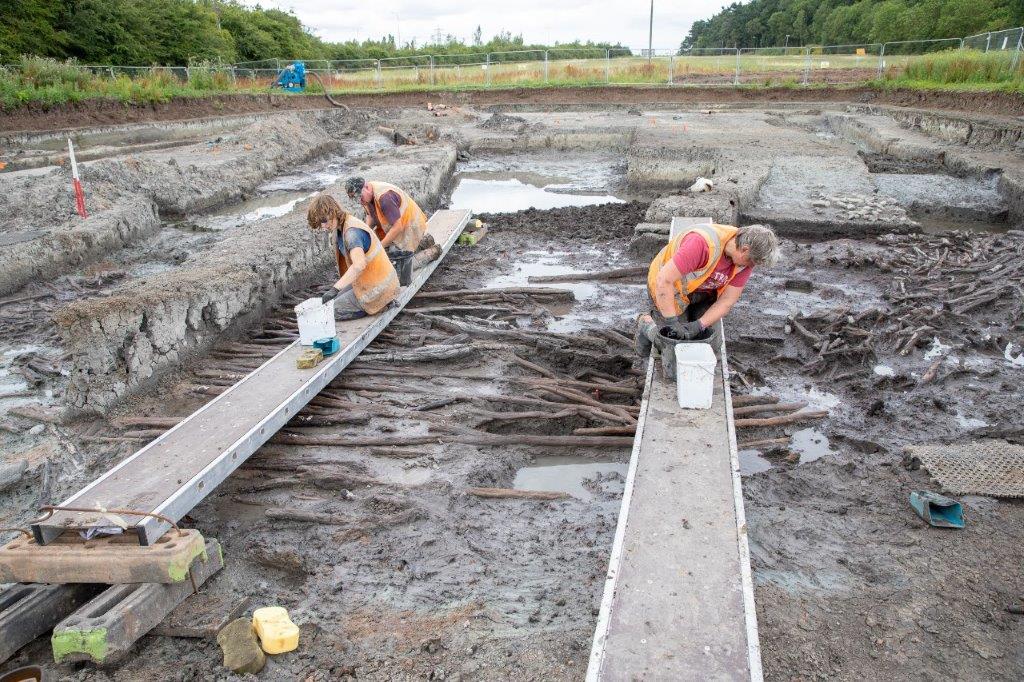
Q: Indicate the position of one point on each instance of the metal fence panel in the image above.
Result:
(773, 66)
(705, 66)
(839, 64)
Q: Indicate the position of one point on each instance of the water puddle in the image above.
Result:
(252, 210)
(543, 263)
(582, 480)
(937, 348)
(752, 462)
(883, 371)
(279, 195)
(821, 400)
(516, 182)
(811, 444)
(513, 194)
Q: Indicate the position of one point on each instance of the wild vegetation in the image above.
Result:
(771, 23)
(175, 32)
(201, 38)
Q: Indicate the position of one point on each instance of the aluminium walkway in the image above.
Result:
(678, 601)
(172, 474)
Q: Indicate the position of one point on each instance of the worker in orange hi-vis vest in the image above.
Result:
(695, 280)
(392, 210)
(367, 281)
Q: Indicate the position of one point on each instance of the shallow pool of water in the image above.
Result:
(752, 462)
(810, 444)
(513, 194)
(574, 316)
(258, 208)
(569, 475)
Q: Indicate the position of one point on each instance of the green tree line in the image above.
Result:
(767, 23)
(175, 32)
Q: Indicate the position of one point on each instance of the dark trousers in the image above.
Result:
(700, 301)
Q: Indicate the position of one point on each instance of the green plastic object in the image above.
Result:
(938, 510)
(92, 642)
(328, 345)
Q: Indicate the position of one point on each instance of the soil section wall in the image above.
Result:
(122, 343)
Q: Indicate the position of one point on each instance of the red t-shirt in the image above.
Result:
(693, 255)
(391, 206)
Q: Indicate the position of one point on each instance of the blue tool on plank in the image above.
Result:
(328, 345)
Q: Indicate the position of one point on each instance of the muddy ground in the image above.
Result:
(38, 117)
(413, 577)
(394, 569)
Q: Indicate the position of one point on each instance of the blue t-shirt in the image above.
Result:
(353, 237)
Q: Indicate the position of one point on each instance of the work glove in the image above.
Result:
(329, 295)
(683, 329)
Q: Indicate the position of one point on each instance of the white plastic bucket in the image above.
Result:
(695, 375)
(316, 320)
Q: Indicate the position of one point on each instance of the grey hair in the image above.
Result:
(354, 185)
(764, 245)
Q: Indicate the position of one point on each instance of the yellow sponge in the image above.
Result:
(276, 631)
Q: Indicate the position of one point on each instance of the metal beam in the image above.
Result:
(172, 474)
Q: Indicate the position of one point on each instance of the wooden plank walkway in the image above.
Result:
(172, 474)
(678, 601)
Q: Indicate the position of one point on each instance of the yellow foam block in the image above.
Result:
(275, 629)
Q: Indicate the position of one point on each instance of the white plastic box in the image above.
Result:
(316, 320)
(695, 375)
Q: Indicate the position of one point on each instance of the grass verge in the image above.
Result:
(49, 82)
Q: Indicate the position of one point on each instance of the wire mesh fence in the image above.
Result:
(994, 56)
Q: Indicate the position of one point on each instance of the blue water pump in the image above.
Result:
(292, 77)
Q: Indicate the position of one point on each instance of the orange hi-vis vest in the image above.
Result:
(377, 284)
(412, 218)
(716, 236)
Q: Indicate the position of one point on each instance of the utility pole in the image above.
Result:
(650, 35)
(398, 23)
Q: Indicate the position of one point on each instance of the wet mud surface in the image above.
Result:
(361, 517)
(38, 117)
(393, 569)
(848, 580)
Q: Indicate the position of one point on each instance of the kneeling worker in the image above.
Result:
(697, 277)
(392, 210)
(367, 280)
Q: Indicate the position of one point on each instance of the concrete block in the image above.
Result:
(28, 611)
(109, 560)
(718, 203)
(105, 629)
(653, 228)
(647, 244)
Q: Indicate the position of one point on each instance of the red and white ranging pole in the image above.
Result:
(77, 183)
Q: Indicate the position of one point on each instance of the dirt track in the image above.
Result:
(39, 118)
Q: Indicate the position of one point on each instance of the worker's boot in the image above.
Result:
(425, 243)
(645, 335)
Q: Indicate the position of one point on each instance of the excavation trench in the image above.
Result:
(371, 516)
(381, 516)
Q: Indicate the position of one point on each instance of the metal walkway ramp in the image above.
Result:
(678, 600)
(172, 474)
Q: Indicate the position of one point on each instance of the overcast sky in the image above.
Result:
(539, 21)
